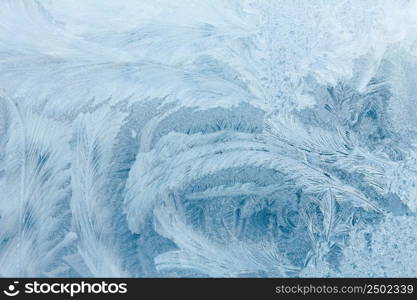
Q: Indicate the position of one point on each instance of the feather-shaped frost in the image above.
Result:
(206, 138)
(35, 191)
(93, 139)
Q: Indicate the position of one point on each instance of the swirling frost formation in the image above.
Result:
(208, 138)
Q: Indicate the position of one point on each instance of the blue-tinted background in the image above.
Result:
(204, 138)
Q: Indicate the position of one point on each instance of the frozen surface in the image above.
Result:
(208, 138)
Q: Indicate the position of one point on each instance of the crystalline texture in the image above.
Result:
(202, 138)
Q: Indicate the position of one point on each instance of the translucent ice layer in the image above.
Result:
(204, 138)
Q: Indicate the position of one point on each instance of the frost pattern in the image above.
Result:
(251, 138)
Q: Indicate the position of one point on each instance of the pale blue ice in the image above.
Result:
(202, 138)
